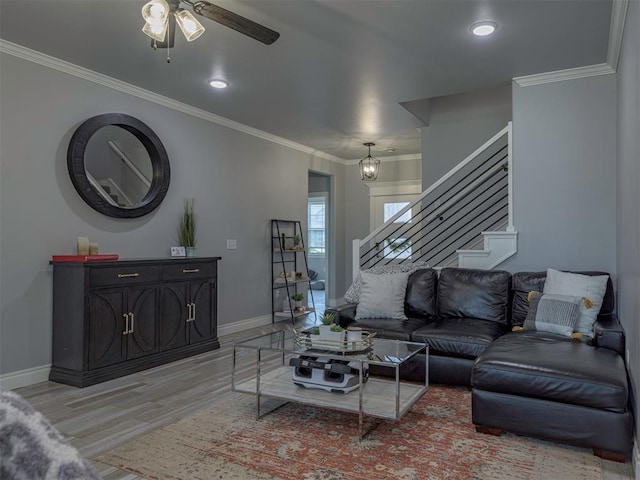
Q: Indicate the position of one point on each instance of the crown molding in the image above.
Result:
(616, 31)
(69, 68)
(400, 187)
(562, 75)
(396, 158)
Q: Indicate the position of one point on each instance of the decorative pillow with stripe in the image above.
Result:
(553, 313)
(575, 284)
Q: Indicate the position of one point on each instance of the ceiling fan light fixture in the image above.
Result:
(157, 32)
(482, 29)
(369, 166)
(155, 12)
(218, 83)
(190, 26)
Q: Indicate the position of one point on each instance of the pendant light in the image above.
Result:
(369, 166)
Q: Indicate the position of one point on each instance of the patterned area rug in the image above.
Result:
(435, 440)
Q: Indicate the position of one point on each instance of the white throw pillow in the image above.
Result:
(587, 286)
(382, 296)
(353, 292)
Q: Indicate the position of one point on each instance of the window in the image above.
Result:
(390, 209)
(317, 226)
(397, 248)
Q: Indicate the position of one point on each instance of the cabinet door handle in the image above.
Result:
(126, 323)
(128, 275)
(190, 270)
(193, 312)
(188, 312)
(131, 327)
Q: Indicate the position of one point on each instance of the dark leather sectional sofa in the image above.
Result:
(530, 382)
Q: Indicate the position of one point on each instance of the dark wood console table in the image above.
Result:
(114, 318)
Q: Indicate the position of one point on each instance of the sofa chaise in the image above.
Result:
(547, 385)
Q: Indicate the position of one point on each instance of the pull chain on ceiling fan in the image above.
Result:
(161, 16)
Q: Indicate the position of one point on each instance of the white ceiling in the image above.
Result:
(341, 68)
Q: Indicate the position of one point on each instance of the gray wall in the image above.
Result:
(239, 183)
(459, 124)
(357, 203)
(628, 195)
(564, 144)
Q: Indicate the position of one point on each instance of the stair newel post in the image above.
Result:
(510, 227)
(355, 261)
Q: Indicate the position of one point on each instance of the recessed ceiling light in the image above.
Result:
(217, 83)
(482, 29)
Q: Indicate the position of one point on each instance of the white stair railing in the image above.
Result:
(483, 195)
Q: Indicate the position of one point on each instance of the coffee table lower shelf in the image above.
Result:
(378, 396)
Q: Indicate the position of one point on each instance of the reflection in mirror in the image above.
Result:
(118, 166)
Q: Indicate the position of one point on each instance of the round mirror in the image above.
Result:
(118, 165)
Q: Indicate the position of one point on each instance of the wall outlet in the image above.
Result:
(232, 244)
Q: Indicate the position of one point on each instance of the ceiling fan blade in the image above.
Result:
(236, 22)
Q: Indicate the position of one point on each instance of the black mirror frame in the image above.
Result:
(151, 142)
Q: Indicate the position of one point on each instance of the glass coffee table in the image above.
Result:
(262, 367)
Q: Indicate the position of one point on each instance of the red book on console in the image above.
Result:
(98, 257)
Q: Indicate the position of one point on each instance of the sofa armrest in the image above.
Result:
(345, 314)
(608, 333)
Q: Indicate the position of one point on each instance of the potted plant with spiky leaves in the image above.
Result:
(187, 228)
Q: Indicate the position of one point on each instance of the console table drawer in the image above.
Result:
(125, 275)
(187, 271)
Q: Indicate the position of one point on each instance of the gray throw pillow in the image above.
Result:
(382, 296)
(575, 284)
(553, 313)
(353, 292)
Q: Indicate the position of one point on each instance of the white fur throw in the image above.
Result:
(32, 449)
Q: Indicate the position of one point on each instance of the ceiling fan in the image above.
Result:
(161, 17)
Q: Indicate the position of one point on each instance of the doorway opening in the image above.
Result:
(319, 237)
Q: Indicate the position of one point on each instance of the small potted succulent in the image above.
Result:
(297, 300)
(330, 334)
(327, 319)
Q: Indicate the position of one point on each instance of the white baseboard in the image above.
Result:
(24, 378)
(31, 376)
(235, 327)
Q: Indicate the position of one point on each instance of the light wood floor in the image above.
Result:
(101, 417)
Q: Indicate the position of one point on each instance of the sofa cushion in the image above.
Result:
(390, 328)
(459, 337)
(524, 282)
(551, 367)
(382, 296)
(482, 294)
(420, 300)
(592, 287)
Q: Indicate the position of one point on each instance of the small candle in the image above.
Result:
(93, 249)
(83, 246)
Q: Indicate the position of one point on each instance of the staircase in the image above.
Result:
(115, 193)
(464, 219)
